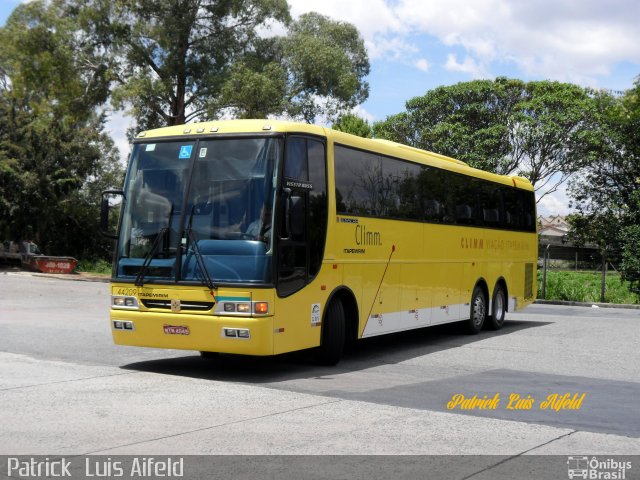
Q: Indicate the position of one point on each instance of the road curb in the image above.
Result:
(77, 277)
(587, 304)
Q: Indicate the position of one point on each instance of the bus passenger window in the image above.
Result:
(491, 204)
(465, 199)
(295, 165)
(512, 209)
(432, 189)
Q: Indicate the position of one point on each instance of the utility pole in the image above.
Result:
(545, 257)
(604, 274)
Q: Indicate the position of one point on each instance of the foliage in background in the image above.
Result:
(316, 69)
(99, 267)
(353, 124)
(541, 130)
(469, 121)
(179, 61)
(54, 154)
(599, 230)
(607, 193)
(585, 287)
(63, 61)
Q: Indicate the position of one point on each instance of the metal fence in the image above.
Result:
(555, 254)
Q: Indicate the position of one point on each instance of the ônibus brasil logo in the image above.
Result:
(594, 468)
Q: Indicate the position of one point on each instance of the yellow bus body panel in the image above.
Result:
(205, 329)
(401, 273)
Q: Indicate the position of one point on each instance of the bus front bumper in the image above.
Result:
(241, 335)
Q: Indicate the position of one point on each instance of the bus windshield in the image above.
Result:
(206, 203)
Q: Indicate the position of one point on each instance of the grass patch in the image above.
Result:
(96, 267)
(585, 287)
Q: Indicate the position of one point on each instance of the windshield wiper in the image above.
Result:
(196, 252)
(139, 282)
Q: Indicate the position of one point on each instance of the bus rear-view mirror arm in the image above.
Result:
(104, 212)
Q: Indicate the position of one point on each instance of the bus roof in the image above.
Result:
(384, 147)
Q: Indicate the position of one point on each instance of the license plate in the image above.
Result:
(176, 330)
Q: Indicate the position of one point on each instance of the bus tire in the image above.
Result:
(498, 309)
(333, 334)
(477, 311)
(209, 355)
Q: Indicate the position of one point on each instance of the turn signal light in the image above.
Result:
(261, 307)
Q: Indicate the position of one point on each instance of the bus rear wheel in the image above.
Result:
(498, 308)
(478, 311)
(333, 334)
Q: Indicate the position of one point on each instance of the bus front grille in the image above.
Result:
(187, 305)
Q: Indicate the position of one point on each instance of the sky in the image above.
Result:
(417, 45)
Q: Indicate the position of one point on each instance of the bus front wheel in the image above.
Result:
(478, 311)
(333, 334)
(498, 308)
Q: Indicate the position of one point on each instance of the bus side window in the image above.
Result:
(491, 204)
(295, 165)
(529, 210)
(301, 252)
(318, 205)
(465, 199)
(512, 209)
(433, 194)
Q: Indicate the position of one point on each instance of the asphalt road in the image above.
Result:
(66, 389)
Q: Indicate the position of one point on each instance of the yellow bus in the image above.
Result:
(263, 237)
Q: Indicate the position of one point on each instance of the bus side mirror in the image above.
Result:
(110, 199)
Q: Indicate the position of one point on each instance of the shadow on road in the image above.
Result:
(367, 353)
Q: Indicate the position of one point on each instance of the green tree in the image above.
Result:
(175, 61)
(318, 68)
(469, 121)
(554, 134)
(540, 130)
(54, 153)
(609, 187)
(353, 124)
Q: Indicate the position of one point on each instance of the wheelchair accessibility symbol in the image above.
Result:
(185, 151)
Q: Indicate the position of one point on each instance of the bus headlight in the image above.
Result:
(124, 303)
(243, 307)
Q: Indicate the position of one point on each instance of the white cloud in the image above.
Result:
(557, 39)
(389, 48)
(271, 28)
(468, 65)
(422, 65)
(556, 203)
(362, 113)
(371, 17)
(376, 20)
(117, 125)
